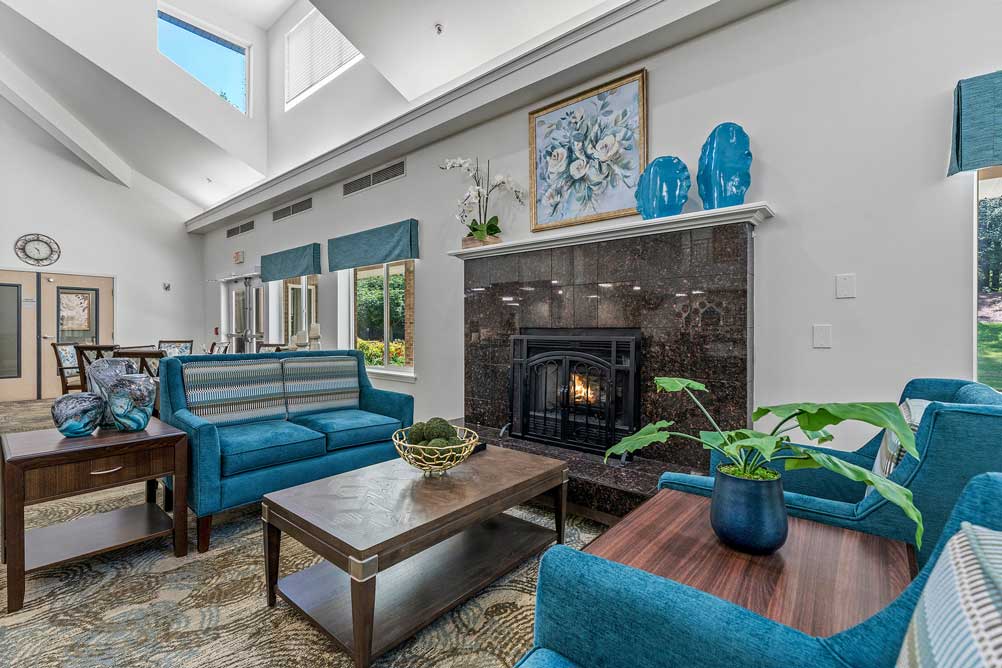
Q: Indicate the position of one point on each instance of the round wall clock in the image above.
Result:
(37, 249)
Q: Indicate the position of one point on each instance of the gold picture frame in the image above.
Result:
(625, 142)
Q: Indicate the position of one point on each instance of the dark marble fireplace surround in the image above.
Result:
(689, 292)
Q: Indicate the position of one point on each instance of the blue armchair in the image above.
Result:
(959, 437)
(257, 423)
(593, 613)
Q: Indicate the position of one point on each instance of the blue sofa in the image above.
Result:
(959, 437)
(593, 613)
(257, 423)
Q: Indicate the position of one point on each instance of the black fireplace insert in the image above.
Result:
(575, 388)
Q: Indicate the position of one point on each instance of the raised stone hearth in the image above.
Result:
(687, 291)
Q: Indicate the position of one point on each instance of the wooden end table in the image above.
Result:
(431, 543)
(42, 466)
(822, 581)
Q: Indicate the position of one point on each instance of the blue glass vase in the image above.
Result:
(748, 515)
(130, 400)
(724, 167)
(77, 415)
(663, 188)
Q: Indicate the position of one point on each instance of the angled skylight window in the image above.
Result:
(218, 63)
(315, 53)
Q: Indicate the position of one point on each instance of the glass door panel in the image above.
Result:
(18, 338)
(77, 315)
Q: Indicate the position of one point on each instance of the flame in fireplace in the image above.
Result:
(584, 389)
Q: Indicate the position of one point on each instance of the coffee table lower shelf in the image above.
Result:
(416, 591)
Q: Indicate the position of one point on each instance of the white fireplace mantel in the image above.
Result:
(753, 213)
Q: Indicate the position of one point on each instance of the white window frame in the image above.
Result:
(307, 92)
(405, 374)
(246, 44)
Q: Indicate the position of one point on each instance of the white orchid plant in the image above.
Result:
(473, 210)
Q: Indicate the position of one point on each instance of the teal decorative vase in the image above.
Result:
(663, 188)
(130, 400)
(724, 167)
(101, 374)
(748, 515)
(77, 414)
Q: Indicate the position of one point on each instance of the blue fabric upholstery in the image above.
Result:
(255, 445)
(977, 132)
(599, 614)
(259, 460)
(379, 245)
(347, 428)
(318, 384)
(292, 263)
(544, 658)
(227, 391)
(960, 436)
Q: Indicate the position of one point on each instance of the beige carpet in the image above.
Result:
(141, 607)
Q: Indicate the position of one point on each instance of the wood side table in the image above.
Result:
(822, 581)
(42, 466)
(403, 549)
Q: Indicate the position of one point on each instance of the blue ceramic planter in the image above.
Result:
(748, 515)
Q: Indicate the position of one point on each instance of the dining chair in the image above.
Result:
(88, 353)
(67, 366)
(219, 347)
(270, 347)
(175, 347)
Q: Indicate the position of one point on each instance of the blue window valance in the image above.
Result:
(292, 263)
(388, 243)
(977, 123)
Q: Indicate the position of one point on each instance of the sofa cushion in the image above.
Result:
(544, 658)
(350, 426)
(318, 384)
(958, 618)
(230, 391)
(977, 393)
(256, 445)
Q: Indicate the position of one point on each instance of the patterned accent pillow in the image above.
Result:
(891, 453)
(957, 622)
(235, 391)
(316, 384)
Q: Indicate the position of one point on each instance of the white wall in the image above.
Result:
(134, 234)
(849, 108)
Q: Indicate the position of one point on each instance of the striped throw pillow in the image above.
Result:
(958, 620)
(225, 392)
(316, 384)
(891, 453)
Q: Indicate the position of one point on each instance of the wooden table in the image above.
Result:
(42, 465)
(822, 581)
(431, 543)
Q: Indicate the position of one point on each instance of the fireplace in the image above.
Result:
(575, 388)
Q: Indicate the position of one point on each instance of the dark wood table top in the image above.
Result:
(50, 443)
(382, 506)
(822, 581)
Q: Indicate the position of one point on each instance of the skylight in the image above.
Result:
(315, 53)
(217, 62)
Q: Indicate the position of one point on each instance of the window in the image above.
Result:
(218, 63)
(989, 277)
(294, 311)
(315, 53)
(384, 312)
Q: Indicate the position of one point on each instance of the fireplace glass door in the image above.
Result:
(568, 399)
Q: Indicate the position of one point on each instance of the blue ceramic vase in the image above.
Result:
(663, 188)
(724, 167)
(748, 515)
(77, 414)
(130, 400)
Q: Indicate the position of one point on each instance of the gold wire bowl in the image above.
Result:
(435, 460)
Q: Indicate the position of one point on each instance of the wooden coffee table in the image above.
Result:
(430, 543)
(822, 581)
(42, 465)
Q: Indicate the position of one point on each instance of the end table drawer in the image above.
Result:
(75, 477)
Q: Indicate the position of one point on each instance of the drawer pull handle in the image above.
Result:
(117, 468)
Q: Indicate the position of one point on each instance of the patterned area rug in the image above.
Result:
(141, 607)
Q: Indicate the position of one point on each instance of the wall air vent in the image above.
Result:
(292, 209)
(240, 229)
(381, 175)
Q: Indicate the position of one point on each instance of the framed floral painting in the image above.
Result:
(586, 154)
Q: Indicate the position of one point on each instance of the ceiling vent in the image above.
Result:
(240, 229)
(382, 175)
(292, 209)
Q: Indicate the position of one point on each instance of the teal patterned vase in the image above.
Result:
(78, 414)
(130, 400)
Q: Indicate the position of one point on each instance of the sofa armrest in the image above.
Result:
(392, 404)
(598, 613)
(932, 389)
(204, 461)
(684, 482)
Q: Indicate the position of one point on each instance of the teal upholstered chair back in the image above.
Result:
(225, 391)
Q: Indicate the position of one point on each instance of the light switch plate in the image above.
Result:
(845, 286)
(822, 336)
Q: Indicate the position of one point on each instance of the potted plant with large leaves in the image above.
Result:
(747, 510)
(473, 208)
